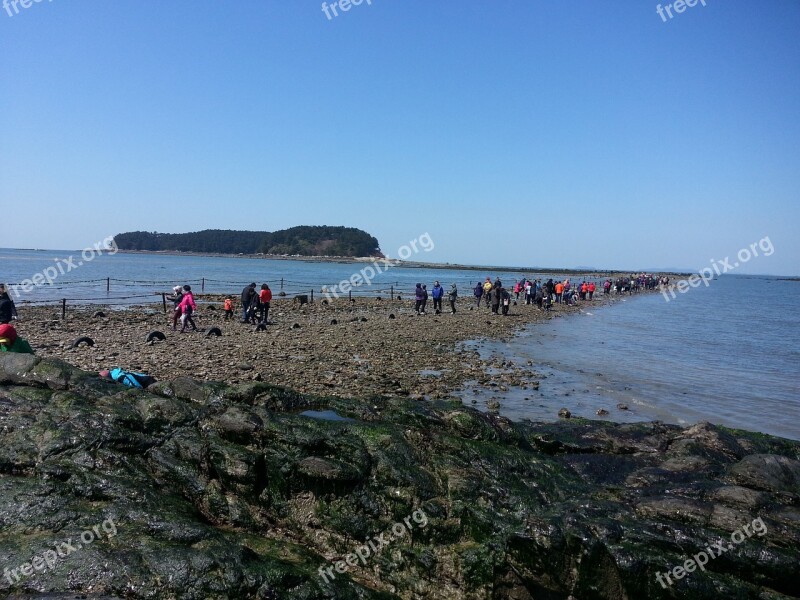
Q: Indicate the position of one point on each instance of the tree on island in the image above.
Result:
(304, 240)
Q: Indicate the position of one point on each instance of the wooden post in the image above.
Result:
(164, 300)
(392, 292)
(350, 295)
(63, 309)
(312, 296)
(203, 285)
(108, 284)
(281, 282)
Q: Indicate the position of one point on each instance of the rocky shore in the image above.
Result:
(351, 349)
(223, 491)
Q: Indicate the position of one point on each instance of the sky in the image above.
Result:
(529, 133)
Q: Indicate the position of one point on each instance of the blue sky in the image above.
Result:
(532, 133)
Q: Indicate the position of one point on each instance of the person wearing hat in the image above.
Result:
(11, 342)
(176, 298)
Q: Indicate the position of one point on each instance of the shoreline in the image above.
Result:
(396, 262)
(337, 348)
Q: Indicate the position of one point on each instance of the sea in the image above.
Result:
(726, 353)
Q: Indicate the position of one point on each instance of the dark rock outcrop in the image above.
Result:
(228, 492)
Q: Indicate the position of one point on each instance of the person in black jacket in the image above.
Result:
(496, 295)
(248, 296)
(7, 309)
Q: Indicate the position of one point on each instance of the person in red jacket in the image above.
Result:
(264, 297)
(584, 290)
(592, 288)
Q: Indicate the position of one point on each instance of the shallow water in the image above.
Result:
(725, 354)
(326, 415)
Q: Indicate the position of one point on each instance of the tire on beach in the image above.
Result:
(155, 335)
(99, 313)
(260, 327)
(82, 340)
(214, 332)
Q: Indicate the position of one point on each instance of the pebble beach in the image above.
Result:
(357, 348)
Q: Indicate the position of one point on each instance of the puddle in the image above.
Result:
(430, 373)
(326, 415)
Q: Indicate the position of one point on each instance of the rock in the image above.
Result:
(602, 412)
(218, 490)
(768, 472)
(564, 413)
(622, 406)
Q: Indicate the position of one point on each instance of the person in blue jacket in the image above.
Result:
(129, 378)
(437, 293)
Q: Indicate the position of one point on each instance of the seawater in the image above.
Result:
(151, 274)
(727, 354)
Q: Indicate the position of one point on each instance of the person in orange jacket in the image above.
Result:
(228, 307)
(592, 288)
(559, 291)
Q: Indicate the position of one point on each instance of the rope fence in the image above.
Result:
(283, 288)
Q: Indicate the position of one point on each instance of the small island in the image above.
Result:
(304, 240)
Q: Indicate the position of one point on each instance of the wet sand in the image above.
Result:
(364, 353)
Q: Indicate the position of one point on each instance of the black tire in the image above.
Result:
(99, 313)
(260, 327)
(334, 321)
(296, 326)
(155, 335)
(83, 340)
(391, 315)
(214, 332)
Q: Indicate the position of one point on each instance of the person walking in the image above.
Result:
(264, 298)
(487, 290)
(418, 297)
(188, 307)
(505, 300)
(559, 291)
(496, 295)
(248, 295)
(478, 293)
(175, 298)
(592, 288)
(437, 293)
(424, 297)
(451, 296)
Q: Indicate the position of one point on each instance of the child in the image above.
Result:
(228, 308)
